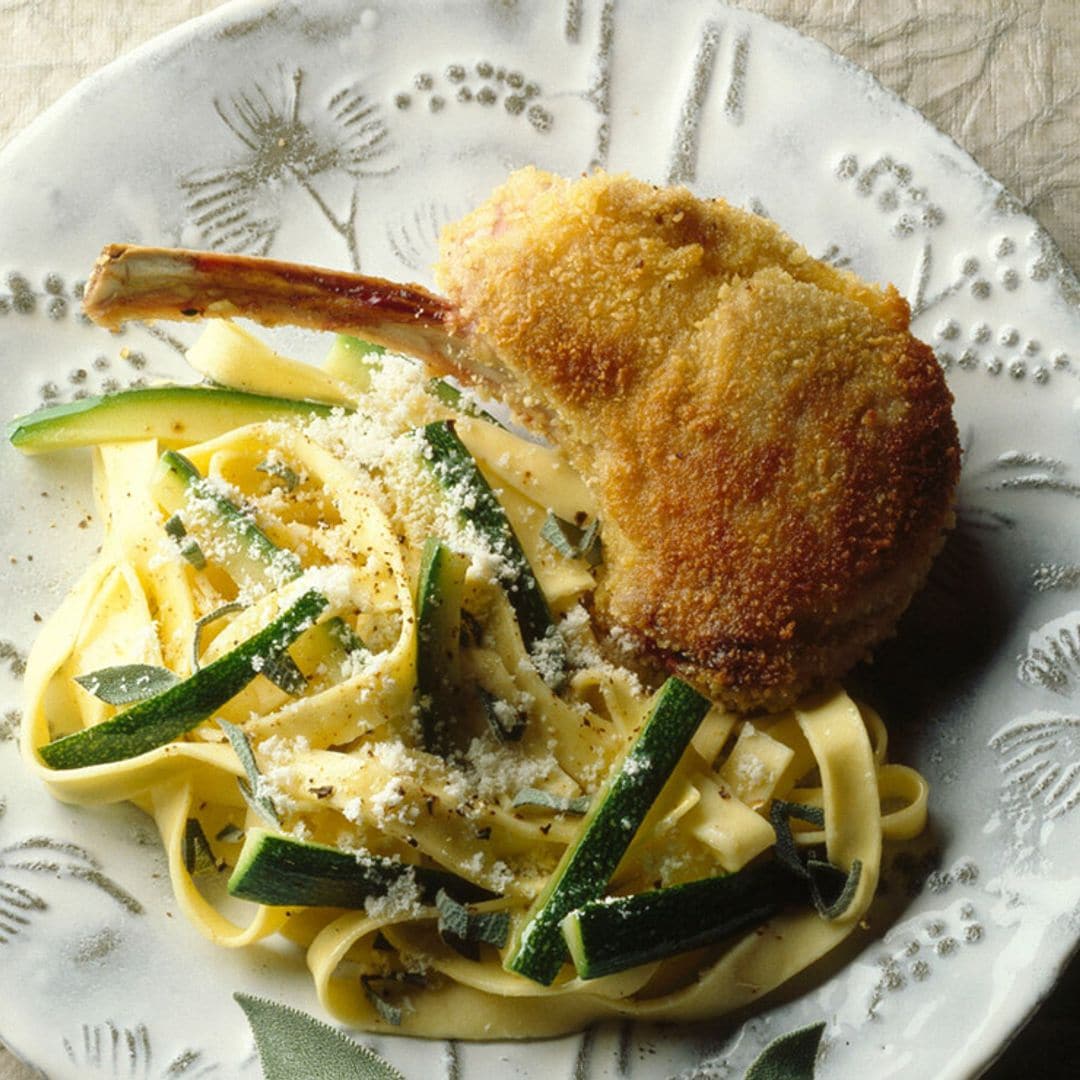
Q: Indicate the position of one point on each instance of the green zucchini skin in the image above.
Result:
(606, 936)
(456, 470)
(283, 872)
(438, 625)
(352, 361)
(539, 949)
(244, 550)
(176, 415)
(158, 720)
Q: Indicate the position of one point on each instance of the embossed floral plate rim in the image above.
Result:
(167, 141)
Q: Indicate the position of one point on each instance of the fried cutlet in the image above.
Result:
(773, 453)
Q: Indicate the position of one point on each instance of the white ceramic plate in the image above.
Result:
(333, 133)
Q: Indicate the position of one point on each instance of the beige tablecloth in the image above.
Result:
(1000, 76)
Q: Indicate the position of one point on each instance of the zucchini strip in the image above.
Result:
(539, 950)
(352, 361)
(457, 471)
(158, 720)
(282, 872)
(450, 396)
(438, 633)
(614, 934)
(175, 415)
(248, 555)
(236, 542)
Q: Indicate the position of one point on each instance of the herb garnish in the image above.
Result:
(561, 804)
(155, 721)
(789, 1057)
(379, 987)
(198, 855)
(571, 540)
(188, 545)
(126, 683)
(507, 723)
(831, 890)
(465, 930)
(253, 792)
(279, 471)
(292, 1044)
(205, 621)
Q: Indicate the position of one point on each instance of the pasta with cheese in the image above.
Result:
(441, 742)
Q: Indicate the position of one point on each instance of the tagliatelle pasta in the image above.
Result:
(328, 742)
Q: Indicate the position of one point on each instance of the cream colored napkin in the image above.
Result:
(997, 75)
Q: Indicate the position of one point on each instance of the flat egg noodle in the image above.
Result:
(172, 805)
(484, 1001)
(340, 766)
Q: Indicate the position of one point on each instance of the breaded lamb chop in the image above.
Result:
(774, 455)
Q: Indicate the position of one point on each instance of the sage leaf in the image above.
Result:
(148, 724)
(279, 471)
(790, 1057)
(125, 683)
(175, 528)
(191, 551)
(384, 991)
(464, 930)
(253, 793)
(825, 876)
(198, 855)
(205, 621)
(293, 1044)
(831, 889)
(561, 804)
(188, 545)
(571, 540)
(388, 1012)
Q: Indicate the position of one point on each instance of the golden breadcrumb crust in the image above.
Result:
(773, 453)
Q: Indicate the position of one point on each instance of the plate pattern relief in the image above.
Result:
(349, 135)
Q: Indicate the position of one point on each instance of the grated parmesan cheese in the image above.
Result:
(401, 900)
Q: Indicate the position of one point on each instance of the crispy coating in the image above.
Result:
(774, 454)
